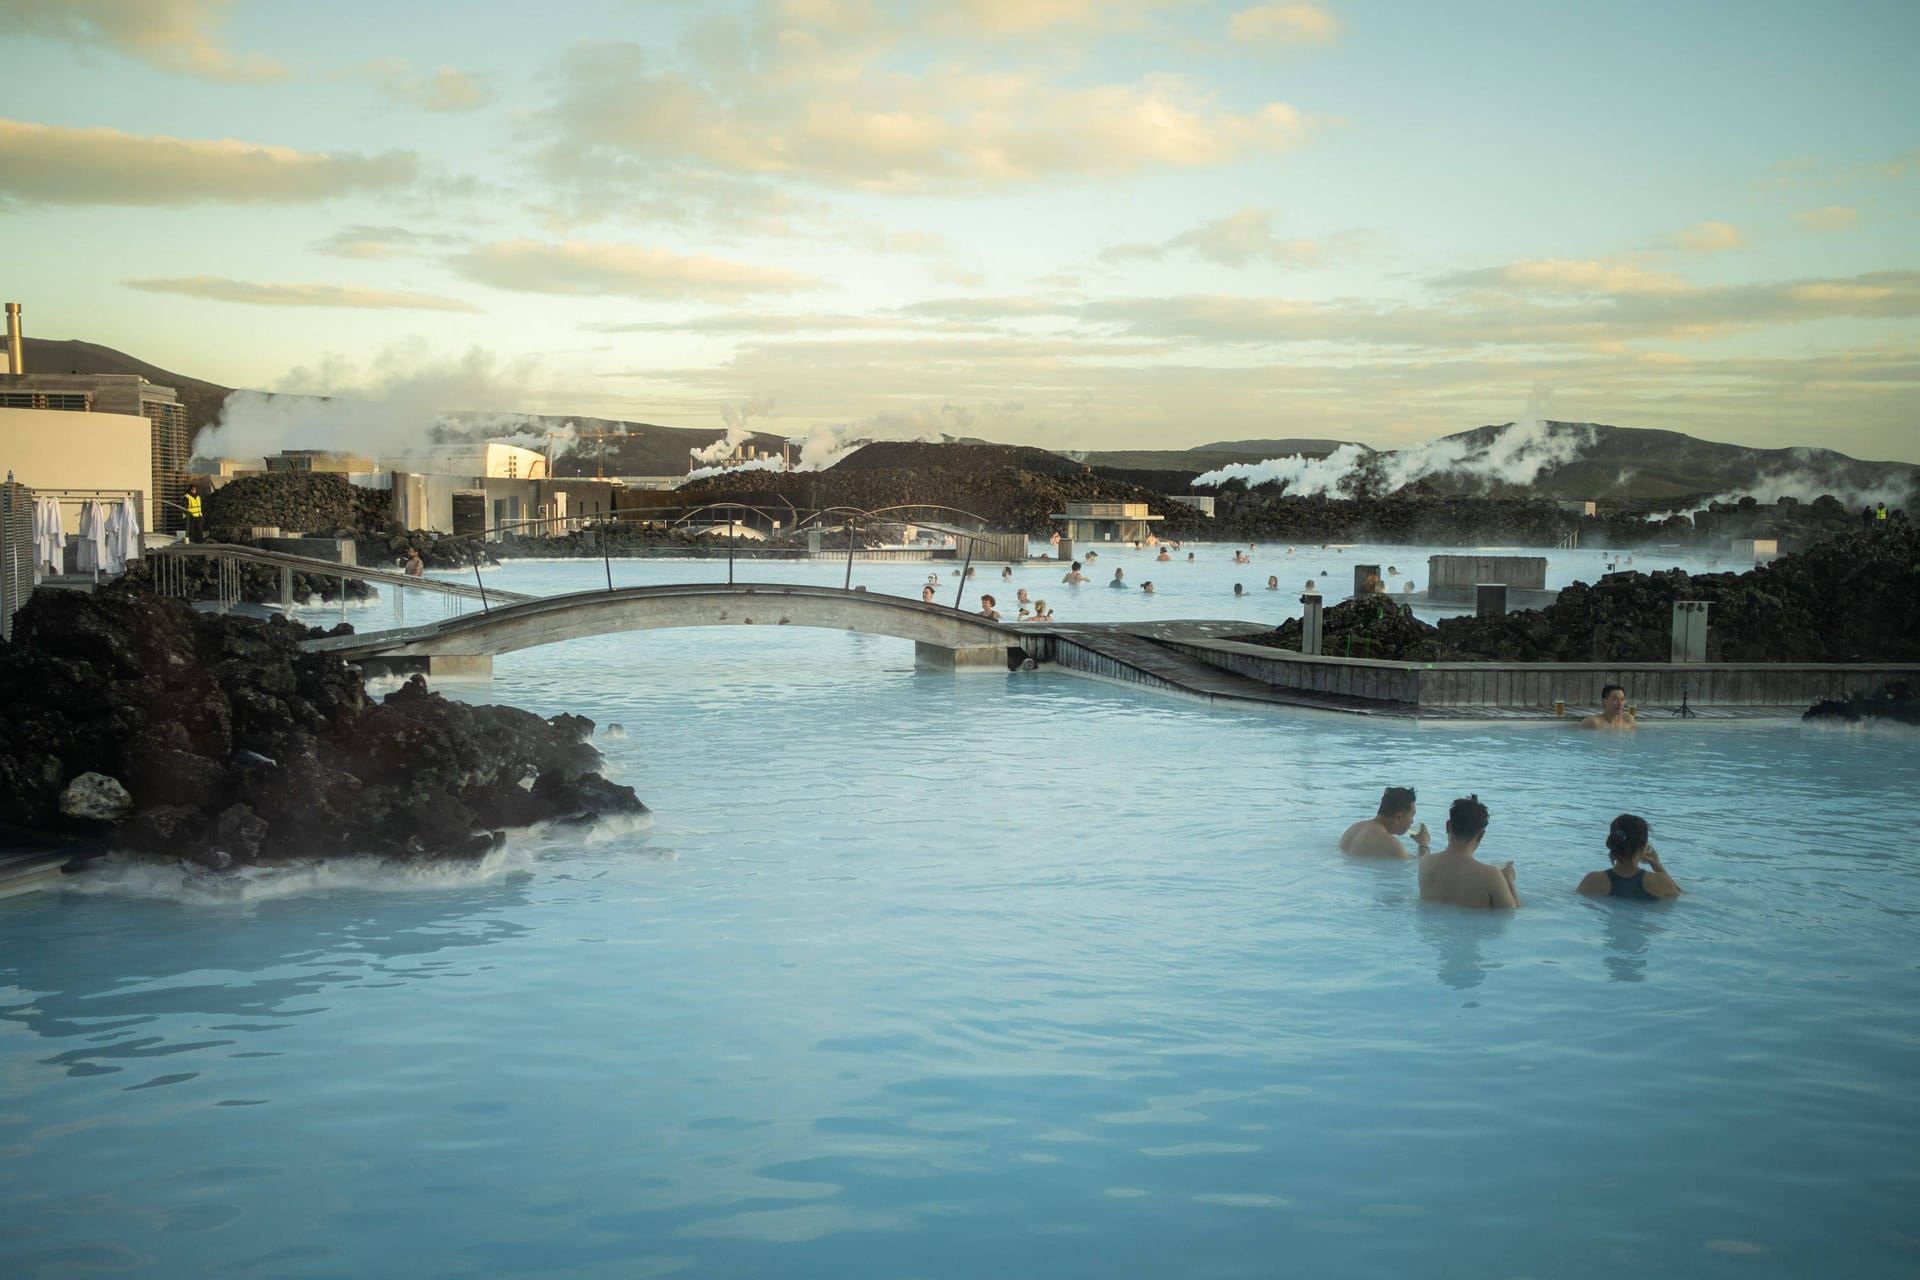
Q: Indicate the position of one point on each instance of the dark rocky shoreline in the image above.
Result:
(218, 740)
(1854, 598)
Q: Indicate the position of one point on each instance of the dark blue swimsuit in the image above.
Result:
(1632, 886)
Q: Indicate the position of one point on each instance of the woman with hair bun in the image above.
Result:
(1628, 848)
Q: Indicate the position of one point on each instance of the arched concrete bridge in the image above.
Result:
(466, 645)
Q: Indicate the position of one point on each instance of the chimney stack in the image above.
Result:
(16, 360)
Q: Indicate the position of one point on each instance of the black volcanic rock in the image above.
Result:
(1896, 702)
(1010, 487)
(238, 747)
(1854, 598)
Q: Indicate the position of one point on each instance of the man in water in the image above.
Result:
(1379, 836)
(1119, 578)
(1613, 713)
(1455, 876)
(1073, 576)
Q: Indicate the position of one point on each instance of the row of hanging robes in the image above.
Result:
(107, 536)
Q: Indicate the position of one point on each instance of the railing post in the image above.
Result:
(1312, 623)
(960, 595)
(848, 585)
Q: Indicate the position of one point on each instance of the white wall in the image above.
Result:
(60, 449)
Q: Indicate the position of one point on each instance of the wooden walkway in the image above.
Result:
(1169, 655)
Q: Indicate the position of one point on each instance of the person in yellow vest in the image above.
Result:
(196, 527)
(1880, 513)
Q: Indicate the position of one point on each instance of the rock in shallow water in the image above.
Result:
(96, 797)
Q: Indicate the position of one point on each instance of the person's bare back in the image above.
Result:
(1455, 876)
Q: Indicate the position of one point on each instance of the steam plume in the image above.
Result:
(1515, 454)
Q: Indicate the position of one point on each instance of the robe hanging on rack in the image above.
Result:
(50, 538)
(89, 552)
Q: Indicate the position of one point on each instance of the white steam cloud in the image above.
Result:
(393, 408)
(1854, 484)
(1515, 454)
(827, 443)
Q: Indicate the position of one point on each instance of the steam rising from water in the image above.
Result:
(1516, 454)
(818, 449)
(1855, 484)
(394, 407)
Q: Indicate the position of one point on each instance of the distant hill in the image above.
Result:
(1631, 464)
(49, 355)
(1286, 448)
(1641, 464)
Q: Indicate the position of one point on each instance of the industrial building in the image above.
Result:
(132, 441)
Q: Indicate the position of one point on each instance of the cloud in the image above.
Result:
(1284, 24)
(372, 242)
(1234, 241)
(1826, 221)
(762, 322)
(445, 90)
(620, 270)
(1708, 237)
(173, 35)
(1526, 317)
(215, 289)
(1030, 17)
(51, 165)
(847, 120)
(1559, 275)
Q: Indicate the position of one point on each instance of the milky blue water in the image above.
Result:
(997, 975)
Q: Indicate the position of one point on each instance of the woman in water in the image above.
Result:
(1628, 848)
(1041, 613)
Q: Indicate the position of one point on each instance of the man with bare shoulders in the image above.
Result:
(1455, 876)
(1613, 710)
(1379, 836)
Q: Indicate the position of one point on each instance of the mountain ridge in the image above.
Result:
(1642, 463)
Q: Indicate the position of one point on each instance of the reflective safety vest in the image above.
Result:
(193, 505)
(1881, 513)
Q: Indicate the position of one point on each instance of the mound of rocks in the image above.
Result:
(1418, 515)
(1896, 702)
(296, 502)
(1854, 598)
(215, 738)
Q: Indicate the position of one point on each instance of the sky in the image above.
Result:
(1080, 224)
